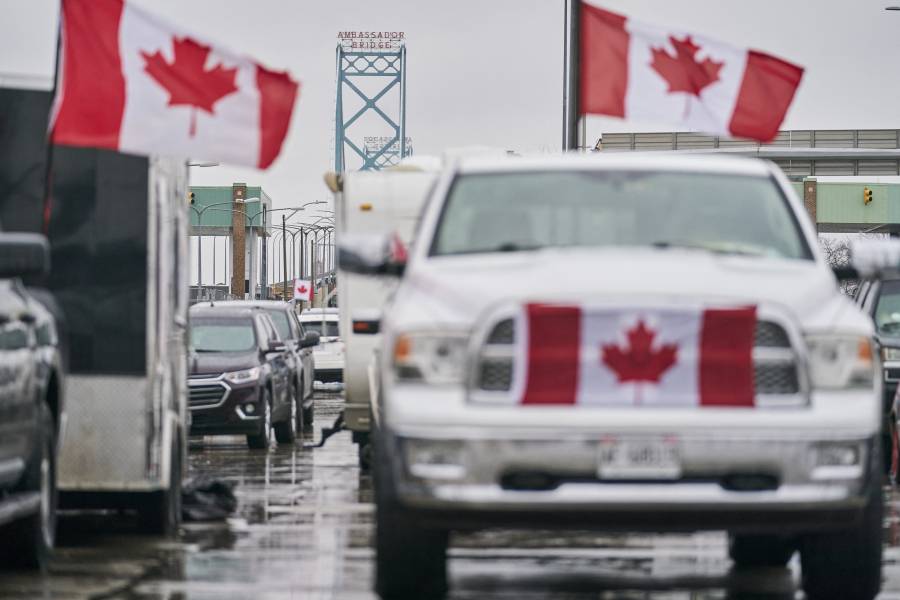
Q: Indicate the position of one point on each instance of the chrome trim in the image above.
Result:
(245, 417)
(220, 380)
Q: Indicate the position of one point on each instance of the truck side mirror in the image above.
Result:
(871, 259)
(23, 254)
(310, 339)
(371, 254)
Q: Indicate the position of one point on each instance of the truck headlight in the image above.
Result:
(245, 376)
(430, 357)
(890, 354)
(840, 361)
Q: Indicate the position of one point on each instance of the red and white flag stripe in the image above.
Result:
(660, 357)
(633, 70)
(131, 82)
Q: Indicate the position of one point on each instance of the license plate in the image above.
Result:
(638, 459)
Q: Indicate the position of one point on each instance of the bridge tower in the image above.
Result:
(370, 108)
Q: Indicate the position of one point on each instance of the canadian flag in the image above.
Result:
(128, 81)
(636, 71)
(659, 357)
(303, 290)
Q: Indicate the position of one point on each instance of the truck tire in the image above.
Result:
(160, 512)
(846, 564)
(30, 540)
(309, 413)
(263, 438)
(286, 431)
(760, 550)
(410, 560)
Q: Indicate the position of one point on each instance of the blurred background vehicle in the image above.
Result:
(328, 354)
(240, 380)
(31, 406)
(880, 299)
(300, 345)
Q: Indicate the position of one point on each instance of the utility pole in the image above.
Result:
(284, 256)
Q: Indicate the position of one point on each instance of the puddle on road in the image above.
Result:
(304, 530)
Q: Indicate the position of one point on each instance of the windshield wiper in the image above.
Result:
(715, 248)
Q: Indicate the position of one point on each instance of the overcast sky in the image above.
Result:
(489, 72)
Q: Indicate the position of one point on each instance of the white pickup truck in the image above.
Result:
(624, 343)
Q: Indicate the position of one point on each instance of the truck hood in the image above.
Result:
(453, 291)
(216, 363)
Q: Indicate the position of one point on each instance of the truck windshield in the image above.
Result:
(505, 212)
(222, 335)
(323, 328)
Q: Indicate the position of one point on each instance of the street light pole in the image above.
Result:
(284, 256)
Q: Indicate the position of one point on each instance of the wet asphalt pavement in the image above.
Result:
(304, 530)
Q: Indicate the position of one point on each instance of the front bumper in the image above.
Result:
(231, 416)
(553, 480)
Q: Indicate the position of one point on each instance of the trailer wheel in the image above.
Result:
(160, 513)
(31, 539)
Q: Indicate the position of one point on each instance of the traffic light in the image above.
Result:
(191, 197)
(867, 194)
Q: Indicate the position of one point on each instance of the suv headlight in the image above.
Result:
(840, 361)
(245, 376)
(430, 357)
(890, 354)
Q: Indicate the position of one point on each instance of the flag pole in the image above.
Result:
(571, 62)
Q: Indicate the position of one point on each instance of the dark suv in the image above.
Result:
(31, 384)
(881, 300)
(240, 380)
(299, 342)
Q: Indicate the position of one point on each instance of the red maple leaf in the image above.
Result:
(682, 72)
(301, 289)
(638, 361)
(187, 79)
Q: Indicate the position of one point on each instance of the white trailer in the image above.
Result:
(117, 227)
(372, 202)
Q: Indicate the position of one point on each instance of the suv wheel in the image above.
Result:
(308, 412)
(286, 431)
(31, 539)
(264, 438)
(760, 550)
(410, 560)
(846, 564)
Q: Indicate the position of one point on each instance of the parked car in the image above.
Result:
(661, 347)
(240, 381)
(329, 353)
(31, 407)
(300, 344)
(880, 299)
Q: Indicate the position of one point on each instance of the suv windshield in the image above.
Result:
(281, 324)
(323, 328)
(887, 312)
(502, 212)
(222, 335)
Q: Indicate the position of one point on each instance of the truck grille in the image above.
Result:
(773, 373)
(206, 394)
